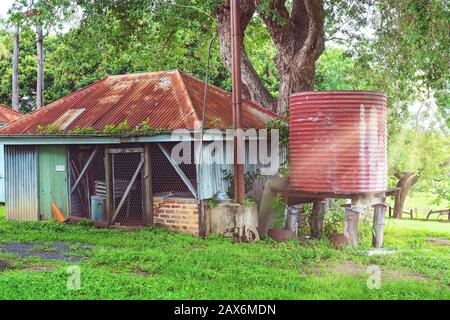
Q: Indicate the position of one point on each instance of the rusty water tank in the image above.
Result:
(338, 141)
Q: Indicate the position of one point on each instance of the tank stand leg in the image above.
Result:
(379, 216)
(351, 225)
(317, 216)
(292, 219)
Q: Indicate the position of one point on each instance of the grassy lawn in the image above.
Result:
(157, 264)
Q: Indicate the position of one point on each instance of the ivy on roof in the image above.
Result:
(143, 129)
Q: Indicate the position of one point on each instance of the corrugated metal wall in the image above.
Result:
(2, 174)
(21, 180)
(212, 175)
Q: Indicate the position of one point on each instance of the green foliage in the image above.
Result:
(424, 152)
(279, 204)
(250, 178)
(122, 128)
(333, 221)
(213, 202)
(335, 71)
(248, 202)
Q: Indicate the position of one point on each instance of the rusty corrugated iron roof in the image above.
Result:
(169, 99)
(8, 115)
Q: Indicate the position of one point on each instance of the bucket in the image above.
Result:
(98, 208)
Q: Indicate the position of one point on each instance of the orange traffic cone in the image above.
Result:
(57, 214)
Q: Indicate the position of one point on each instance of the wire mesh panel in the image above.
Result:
(87, 175)
(127, 187)
(165, 178)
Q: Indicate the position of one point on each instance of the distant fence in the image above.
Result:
(439, 213)
(431, 212)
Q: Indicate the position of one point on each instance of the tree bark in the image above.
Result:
(300, 40)
(317, 216)
(298, 37)
(15, 75)
(253, 87)
(40, 68)
(406, 181)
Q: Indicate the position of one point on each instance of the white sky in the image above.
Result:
(4, 7)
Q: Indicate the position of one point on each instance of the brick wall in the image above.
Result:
(180, 214)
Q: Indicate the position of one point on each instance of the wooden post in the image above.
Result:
(148, 190)
(379, 216)
(351, 224)
(40, 68)
(292, 220)
(15, 75)
(317, 216)
(108, 185)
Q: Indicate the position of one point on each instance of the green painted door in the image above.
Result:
(53, 180)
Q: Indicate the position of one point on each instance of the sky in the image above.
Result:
(4, 7)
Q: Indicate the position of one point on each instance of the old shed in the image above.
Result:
(6, 116)
(109, 144)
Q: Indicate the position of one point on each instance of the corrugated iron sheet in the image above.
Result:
(211, 176)
(169, 100)
(338, 141)
(8, 115)
(21, 180)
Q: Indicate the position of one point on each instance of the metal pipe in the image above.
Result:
(201, 207)
(40, 67)
(239, 187)
(15, 75)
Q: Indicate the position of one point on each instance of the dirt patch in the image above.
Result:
(439, 241)
(5, 265)
(141, 272)
(61, 251)
(347, 268)
(37, 268)
(350, 268)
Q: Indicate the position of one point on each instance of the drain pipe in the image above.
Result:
(239, 187)
(201, 207)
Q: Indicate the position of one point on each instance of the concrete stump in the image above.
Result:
(351, 225)
(379, 217)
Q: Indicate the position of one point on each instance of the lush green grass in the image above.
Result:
(176, 266)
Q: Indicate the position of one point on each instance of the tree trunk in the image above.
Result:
(253, 87)
(15, 75)
(40, 68)
(298, 36)
(405, 183)
(317, 216)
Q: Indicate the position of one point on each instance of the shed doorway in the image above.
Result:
(111, 184)
(127, 184)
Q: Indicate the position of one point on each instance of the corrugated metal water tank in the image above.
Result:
(338, 141)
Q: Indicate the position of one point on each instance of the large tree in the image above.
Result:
(298, 35)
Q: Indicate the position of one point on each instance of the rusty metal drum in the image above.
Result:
(338, 141)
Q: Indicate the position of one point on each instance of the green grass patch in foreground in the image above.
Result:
(157, 264)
